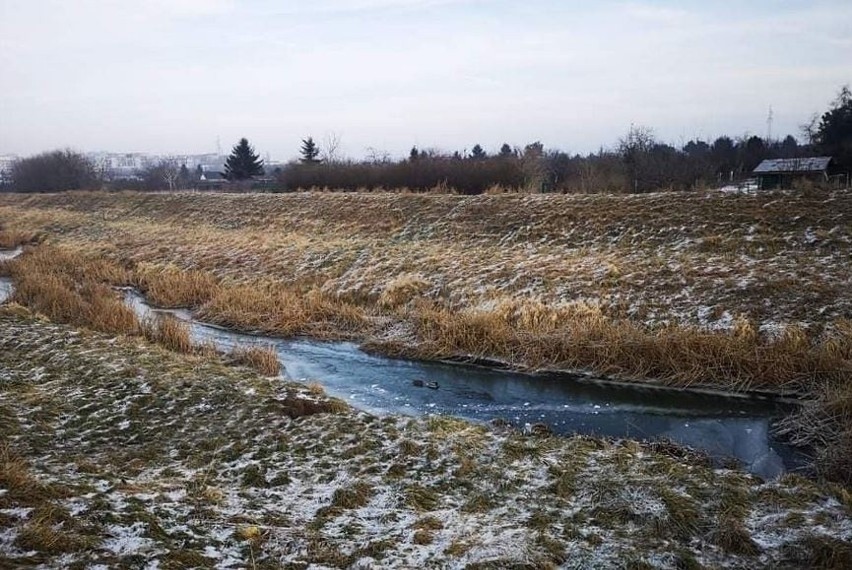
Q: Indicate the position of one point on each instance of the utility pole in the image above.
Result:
(769, 119)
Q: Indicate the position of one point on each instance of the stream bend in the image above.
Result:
(723, 427)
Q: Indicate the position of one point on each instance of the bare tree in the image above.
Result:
(171, 175)
(635, 150)
(164, 174)
(809, 129)
(377, 156)
(330, 147)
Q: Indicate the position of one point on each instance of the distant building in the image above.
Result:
(130, 166)
(212, 176)
(6, 162)
(780, 172)
(211, 180)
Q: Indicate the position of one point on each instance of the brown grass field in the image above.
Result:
(118, 453)
(738, 292)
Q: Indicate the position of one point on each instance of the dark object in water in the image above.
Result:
(418, 383)
(432, 385)
(421, 384)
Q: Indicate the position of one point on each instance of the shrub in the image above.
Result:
(54, 171)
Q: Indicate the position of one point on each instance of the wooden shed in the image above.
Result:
(780, 172)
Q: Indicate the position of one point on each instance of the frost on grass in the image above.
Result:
(118, 453)
(773, 257)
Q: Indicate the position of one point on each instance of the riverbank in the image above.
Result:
(115, 451)
(744, 292)
(730, 429)
(734, 293)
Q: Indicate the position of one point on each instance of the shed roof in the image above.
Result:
(809, 164)
(212, 176)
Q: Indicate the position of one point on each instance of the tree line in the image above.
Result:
(637, 163)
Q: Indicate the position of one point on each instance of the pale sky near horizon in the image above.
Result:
(172, 76)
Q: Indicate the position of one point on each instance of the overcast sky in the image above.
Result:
(175, 75)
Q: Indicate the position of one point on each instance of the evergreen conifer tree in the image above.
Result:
(243, 163)
(834, 134)
(477, 153)
(310, 151)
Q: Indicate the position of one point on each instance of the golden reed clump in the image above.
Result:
(68, 288)
(583, 338)
(263, 359)
(10, 239)
(171, 287)
(169, 332)
(282, 310)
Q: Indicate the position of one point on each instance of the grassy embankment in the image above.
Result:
(731, 291)
(70, 288)
(117, 452)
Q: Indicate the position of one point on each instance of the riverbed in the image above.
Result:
(722, 426)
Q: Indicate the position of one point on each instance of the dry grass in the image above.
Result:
(731, 535)
(740, 292)
(824, 424)
(18, 481)
(10, 239)
(48, 532)
(203, 465)
(169, 332)
(263, 359)
(282, 310)
(172, 287)
(354, 496)
(610, 283)
(68, 288)
(738, 359)
(402, 289)
(820, 553)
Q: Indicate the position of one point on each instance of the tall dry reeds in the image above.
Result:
(170, 287)
(169, 332)
(263, 359)
(282, 310)
(583, 338)
(68, 288)
(824, 422)
(10, 239)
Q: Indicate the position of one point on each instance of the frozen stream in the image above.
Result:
(722, 426)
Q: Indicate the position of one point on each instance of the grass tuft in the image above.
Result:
(732, 536)
(263, 359)
(168, 332)
(172, 287)
(421, 498)
(402, 289)
(10, 239)
(354, 496)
